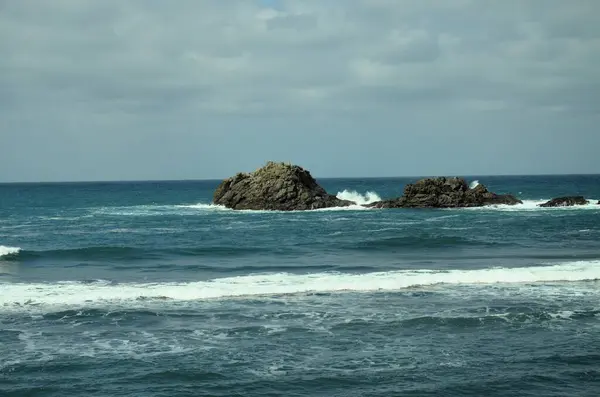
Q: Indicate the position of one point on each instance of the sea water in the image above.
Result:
(146, 289)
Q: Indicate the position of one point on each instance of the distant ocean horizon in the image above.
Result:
(145, 288)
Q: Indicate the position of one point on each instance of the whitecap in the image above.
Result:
(360, 199)
(533, 205)
(4, 251)
(21, 296)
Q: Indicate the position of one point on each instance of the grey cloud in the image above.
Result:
(296, 22)
(190, 70)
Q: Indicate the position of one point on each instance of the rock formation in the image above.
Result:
(565, 201)
(276, 186)
(445, 193)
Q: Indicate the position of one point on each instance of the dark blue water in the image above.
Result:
(145, 289)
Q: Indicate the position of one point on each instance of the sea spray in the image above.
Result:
(473, 184)
(6, 251)
(360, 199)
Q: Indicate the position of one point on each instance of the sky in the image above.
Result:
(187, 89)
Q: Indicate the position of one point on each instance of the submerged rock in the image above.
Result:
(568, 201)
(276, 186)
(445, 193)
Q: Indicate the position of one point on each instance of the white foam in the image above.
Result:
(205, 207)
(474, 184)
(360, 199)
(533, 205)
(8, 250)
(351, 195)
(159, 210)
(19, 295)
(354, 207)
(212, 207)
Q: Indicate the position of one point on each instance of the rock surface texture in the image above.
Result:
(445, 193)
(276, 186)
(565, 201)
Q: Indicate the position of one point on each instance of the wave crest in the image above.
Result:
(102, 293)
(360, 199)
(8, 251)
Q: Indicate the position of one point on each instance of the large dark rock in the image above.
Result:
(565, 201)
(276, 186)
(445, 193)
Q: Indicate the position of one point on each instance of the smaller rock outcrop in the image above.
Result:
(568, 201)
(445, 193)
(276, 186)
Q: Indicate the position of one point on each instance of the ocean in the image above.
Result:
(146, 289)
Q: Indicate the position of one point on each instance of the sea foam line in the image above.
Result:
(350, 195)
(75, 293)
(203, 208)
(360, 200)
(533, 205)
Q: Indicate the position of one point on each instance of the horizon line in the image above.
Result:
(317, 178)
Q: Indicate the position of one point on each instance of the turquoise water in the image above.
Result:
(145, 289)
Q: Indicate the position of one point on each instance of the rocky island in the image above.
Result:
(568, 201)
(445, 192)
(276, 186)
(287, 187)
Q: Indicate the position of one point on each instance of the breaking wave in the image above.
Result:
(100, 293)
(360, 199)
(533, 205)
(473, 184)
(8, 251)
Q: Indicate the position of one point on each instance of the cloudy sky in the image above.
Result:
(189, 89)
